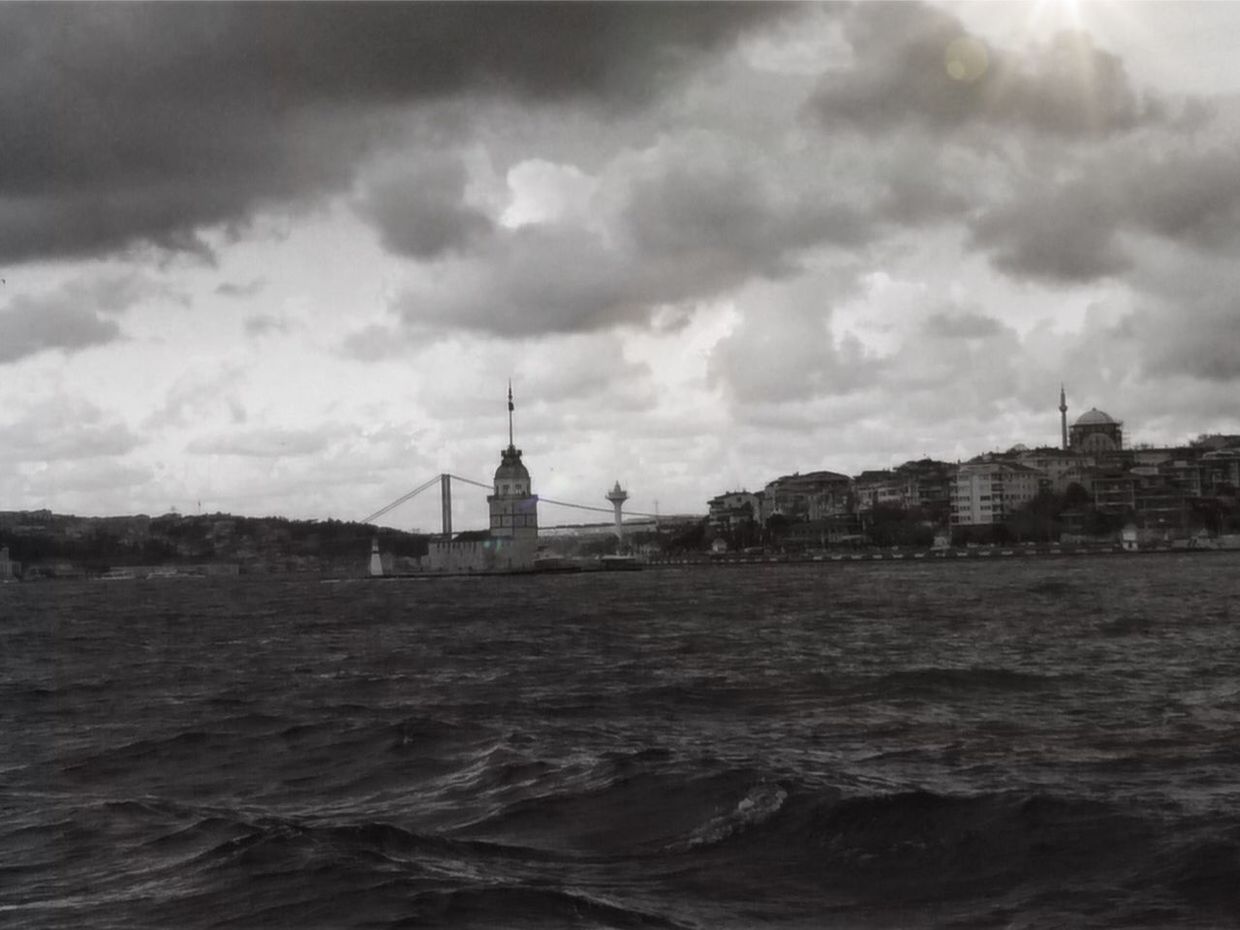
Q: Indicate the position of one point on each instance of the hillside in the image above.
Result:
(51, 544)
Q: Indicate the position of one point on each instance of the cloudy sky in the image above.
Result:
(284, 259)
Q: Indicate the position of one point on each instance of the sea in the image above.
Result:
(1018, 743)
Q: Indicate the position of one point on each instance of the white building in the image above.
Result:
(735, 507)
(8, 568)
(986, 492)
(1062, 466)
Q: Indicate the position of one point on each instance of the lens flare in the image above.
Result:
(966, 59)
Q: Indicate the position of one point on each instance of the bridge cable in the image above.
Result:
(544, 500)
(548, 500)
(400, 500)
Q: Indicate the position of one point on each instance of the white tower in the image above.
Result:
(618, 496)
(376, 563)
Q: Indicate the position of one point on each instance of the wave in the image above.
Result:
(934, 681)
(760, 804)
(524, 907)
(640, 814)
(563, 860)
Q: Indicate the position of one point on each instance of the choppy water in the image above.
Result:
(1020, 744)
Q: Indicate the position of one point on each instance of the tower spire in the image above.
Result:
(510, 442)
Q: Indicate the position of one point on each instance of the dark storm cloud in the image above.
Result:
(1073, 230)
(916, 63)
(539, 278)
(75, 315)
(32, 325)
(731, 218)
(1192, 198)
(682, 234)
(422, 214)
(1207, 350)
(142, 122)
(1187, 322)
(1063, 235)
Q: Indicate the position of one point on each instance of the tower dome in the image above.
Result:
(511, 468)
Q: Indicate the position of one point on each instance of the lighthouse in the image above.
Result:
(618, 496)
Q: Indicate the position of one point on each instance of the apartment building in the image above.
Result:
(986, 492)
(796, 496)
(733, 508)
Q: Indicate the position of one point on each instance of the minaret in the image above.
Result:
(618, 496)
(1063, 416)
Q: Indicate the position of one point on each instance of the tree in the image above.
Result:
(1075, 497)
(777, 527)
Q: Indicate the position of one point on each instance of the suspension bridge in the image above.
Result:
(445, 492)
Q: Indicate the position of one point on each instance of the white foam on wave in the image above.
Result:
(758, 805)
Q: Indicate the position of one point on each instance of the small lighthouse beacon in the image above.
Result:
(618, 496)
(376, 563)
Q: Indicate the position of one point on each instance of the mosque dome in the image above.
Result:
(1094, 417)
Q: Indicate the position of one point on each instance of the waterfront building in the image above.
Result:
(1063, 467)
(987, 492)
(9, 569)
(1221, 470)
(1161, 510)
(877, 488)
(837, 530)
(1115, 492)
(729, 510)
(927, 483)
(794, 495)
(1184, 474)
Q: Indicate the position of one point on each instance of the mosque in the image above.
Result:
(1093, 433)
(511, 543)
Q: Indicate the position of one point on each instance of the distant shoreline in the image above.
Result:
(922, 555)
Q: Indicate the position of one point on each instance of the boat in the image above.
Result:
(117, 574)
